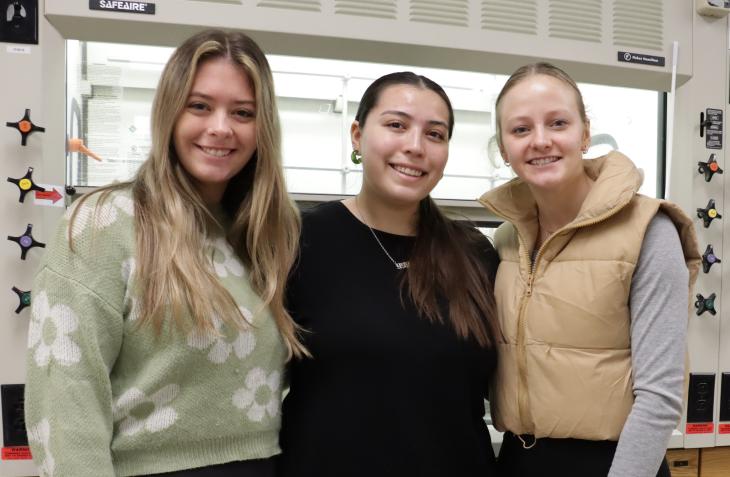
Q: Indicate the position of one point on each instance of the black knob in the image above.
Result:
(26, 241)
(709, 259)
(26, 127)
(705, 304)
(26, 184)
(709, 168)
(24, 297)
(708, 213)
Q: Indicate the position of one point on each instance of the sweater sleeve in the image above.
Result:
(73, 340)
(659, 304)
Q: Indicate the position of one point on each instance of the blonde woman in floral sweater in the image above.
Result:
(158, 335)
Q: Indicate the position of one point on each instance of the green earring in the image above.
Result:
(355, 157)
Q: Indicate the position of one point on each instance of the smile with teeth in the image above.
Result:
(217, 152)
(543, 161)
(408, 171)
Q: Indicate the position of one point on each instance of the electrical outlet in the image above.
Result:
(701, 399)
(13, 412)
(19, 21)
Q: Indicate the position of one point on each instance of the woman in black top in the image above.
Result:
(398, 307)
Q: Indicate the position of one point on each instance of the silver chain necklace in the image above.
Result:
(398, 265)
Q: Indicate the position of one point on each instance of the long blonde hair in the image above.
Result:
(168, 210)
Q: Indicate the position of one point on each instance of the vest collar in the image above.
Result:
(616, 178)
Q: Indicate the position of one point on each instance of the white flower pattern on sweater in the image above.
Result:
(106, 214)
(221, 344)
(157, 419)
(58, 346)
(225, 260)
(41, 434)
(260, 395)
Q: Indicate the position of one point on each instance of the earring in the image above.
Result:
(506, 163)
(355, 157)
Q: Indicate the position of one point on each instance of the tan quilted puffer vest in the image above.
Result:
(565, 358)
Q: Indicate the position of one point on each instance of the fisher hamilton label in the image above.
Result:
(121, 6)
(641, 58)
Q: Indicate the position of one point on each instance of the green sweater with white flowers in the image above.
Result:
(105, 397)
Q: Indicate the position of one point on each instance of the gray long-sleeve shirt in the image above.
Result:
(659, 306)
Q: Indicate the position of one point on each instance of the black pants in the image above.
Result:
(245, 468)
(559, 457)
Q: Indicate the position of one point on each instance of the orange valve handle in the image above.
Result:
(709, 168)
(25, 126)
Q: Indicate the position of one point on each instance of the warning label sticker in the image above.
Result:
(723, 429)
(700, 428)
(16, 453)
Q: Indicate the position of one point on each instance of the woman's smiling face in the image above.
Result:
(215, 136)
(404, 144)
(542, 132)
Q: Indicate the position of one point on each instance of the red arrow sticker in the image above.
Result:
(52, 196)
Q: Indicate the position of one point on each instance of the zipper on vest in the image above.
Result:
(523, 407)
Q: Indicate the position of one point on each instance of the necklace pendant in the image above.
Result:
(401, 265)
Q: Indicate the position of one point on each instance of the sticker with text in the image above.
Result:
(16, 453)
(18, 50)
(700, 428)
(723, 429)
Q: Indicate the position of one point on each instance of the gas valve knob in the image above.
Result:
(708, 213)
(709, 259)
(26, 241)
(26, 184)
(705, 304)
(709, 168)
(24, 297)
(26, 127)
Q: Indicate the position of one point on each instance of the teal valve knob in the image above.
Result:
(709, 213)
(24, 297)
(26, 241)
(709, 259)
(703, 304)
(709, 168)
(26, 184)
(26, 127)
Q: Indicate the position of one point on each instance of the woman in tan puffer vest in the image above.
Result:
(592, 295)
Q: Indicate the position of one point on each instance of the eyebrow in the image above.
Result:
(408, 116)
(210, 98)
(554, 112)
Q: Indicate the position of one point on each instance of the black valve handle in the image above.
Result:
(709, 168)
(26, 184)
(709, 259)
(26, 241)
(705, 304)
(25, 126)
(709, 213)
(24, 297)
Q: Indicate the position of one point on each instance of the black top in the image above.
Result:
(387, 393)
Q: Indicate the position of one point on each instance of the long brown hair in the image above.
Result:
(446, 260)
(168, 210)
